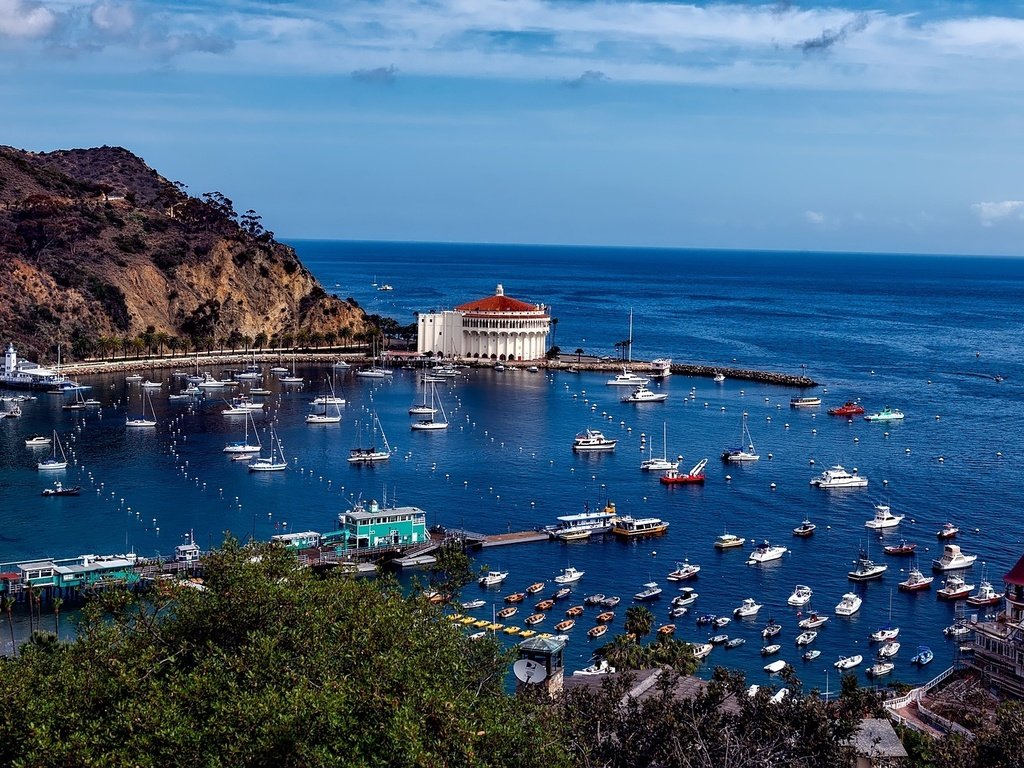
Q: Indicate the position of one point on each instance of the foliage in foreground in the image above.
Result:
(266, 666)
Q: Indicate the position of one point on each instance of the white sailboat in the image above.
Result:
(273, 463)
(430, 422)
(374, 371)
(331, 399)
(326, 417)
(652, 464)
(244, 447)
(142, 421)
(291, 379)
(51, 462)
(627, 378)
(746, 450)
(424, 408)
(371, 454)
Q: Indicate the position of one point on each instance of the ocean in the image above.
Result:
(927, 335)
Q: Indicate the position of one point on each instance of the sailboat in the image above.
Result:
(627, 378)
(430, 422)
(243, 447)
(424, 408)
(331, 399)
(78, 404)
(360, 455)
(142, 421)
(746, 450)
(51, 461)
(292, 379)
(328, 402)
(374, 371)
(651, 464)
(273, 463)
(888, 632)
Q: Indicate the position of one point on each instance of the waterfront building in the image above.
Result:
(23, 373)
(497, 327)
(299, 540)
(67, 575)
(377, 527)
(997, 649)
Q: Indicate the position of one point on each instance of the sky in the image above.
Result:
(848, 126)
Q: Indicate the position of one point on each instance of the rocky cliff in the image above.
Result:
(99, 251)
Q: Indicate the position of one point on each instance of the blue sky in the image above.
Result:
(846, 126)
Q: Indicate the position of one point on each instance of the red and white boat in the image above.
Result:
(849, 408)
(948, 531)
(903, 548)
(954, 588)
(695, 475)
(915, 581)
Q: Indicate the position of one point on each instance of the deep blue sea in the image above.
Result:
(919, 333)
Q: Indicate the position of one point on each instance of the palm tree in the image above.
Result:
(261, 340)
(57, 603)
(639, 620)
(7, 605)
(161, 339)
(579, 354)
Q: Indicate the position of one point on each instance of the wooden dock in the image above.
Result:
(518, 537)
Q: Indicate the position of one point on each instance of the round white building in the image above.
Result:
(497, 327)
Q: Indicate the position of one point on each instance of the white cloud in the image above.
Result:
(992, 213)
(814, 217)
(25, 19)
(113, 18)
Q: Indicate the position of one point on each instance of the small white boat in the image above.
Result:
(889, 650)
(273, 463)
(569, 576)
(848, 662)
(52, 462)
(702, 650)
(684, 570)
(650, 591)
(593, 440)
(152, 384)
(143, 421)
(765, 553)
(601, 668)
(627, 379)
(655, 464)
(728, 541)
(837, 477)
(470, 605)
(742, 454)
(884, 518)
(880, 668)
(807, 637)
(801, 595)
(849, 605)
(341, 365)
(688, 597)
(804, 402)
(770, 650)
(492, 578)
(813, 621)
(885, 634)
(719, 377)
(37, 440)
(748, 608)
(133, 378)
(775, 667)
(643, 395)
(243, 447)
(952, 559)
(811, 655)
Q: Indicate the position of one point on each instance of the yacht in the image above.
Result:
(886, 414)
(804, 402)
(694, 476)
(916, 581)
(903, 548)
(37, 440)
(801, 595)
(275, 462)
(651, 591)
(586, 521)
(641, 526)
(728, 541)
(749, 607)
(953, 559)
(628, 379)
(954, 588)
(765, 553)
(837, 477)
(241, 405)
(806, 637)
(884, 518)
(52, 462)
(683, 571)
(593, 440)
(431, 423)
(243, 447)
(643, 395)
(370, 454)
(866, 568)
(848, 662)
(849, 605)
(492, 578)
(569, 575)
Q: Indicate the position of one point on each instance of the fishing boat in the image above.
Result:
(695, 475)
(880, 668)
(650, 591)
(569, 575)
(804, 402)
(742, 454)
(948, 531)
(728, 541)
(371, 454)
(58, 489)
(953, 559)
(849, 408)
(923, 656)
(243, 446)
(838, 477)
(748, 608)
(915, 581)
(630, 527)
(684, 570)
(986, 594)
(597, 631)
(801, 596)
(765, 552)
(653, 464)
(52, 462)
(592, 440)
(644, 395)
(954, 588)
(886, 414)
(431, 422)
(142, 421)
(849, 604)
(492, 578)
(813, 621)
(866, 569)
(806, 528)
(884, 518)
(807, 637)
(275, 462)
(811, 655)
(701, 650)
(687, 597)
(848, 662)
(901, 549)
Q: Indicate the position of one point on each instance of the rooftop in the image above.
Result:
(1015, 575)
(499, 302)
(875, 737)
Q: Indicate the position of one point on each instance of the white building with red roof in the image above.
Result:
(497, 327)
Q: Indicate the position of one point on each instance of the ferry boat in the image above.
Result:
(695, 475)
(953, 559)
(954, 588)
(901, 549)
(866, 568)
(593, 440)
(948, 531)
(765, 553)
(643, 395)
(801, 595)
(916, 581)
(804, 402)
(884, 518)
(837, 477)
(806, 528)
(650, 591)
(728, 541)
(849, 408)
(684, 570)
(585, 522)
(641, 526)
(849, 605)
(886, 414)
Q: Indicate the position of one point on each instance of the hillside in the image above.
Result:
(99, 250)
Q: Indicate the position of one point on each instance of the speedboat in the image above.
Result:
(885, 634)
(811, 655)
(735, 642)
(641, 526)
(849, 605)
(886, 414)
(765, 553)
(957, 630)
(848, 662)
(903, 548)
(889, 650)
(771, 629)
(718, 639)
(801, 595)
(683, 571)
(748, 608)
(804, 402)
(954, 588)
(849, 408)
(601, 668)
(593, 440)
(492, 578)
(880, 668)
(569, 576)
(924, 656)
(813, 621)
(651, 591)
(806, 528)
(695, 475)
(728, 541)
(866, 568)
(806, 638)
(643, 395)
(837, 477)
(769, 650)
(884, 518)
(916, 581)
(948, 531)
(470, 605)
(720, 621)
(688, 597)
(59, 489)
(953, 559)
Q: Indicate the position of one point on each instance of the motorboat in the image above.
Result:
(957, 630)
(241, 405)
(718, 639)
(837, 477)
(765, 552)
(597, 631)
(642, 526)
(915, 581)
(948, 531)
(695, 475)
(866, 569)
(35, 441)
(880, 668)
(611, 602)
(813, 621)
(684, 570)
(801, 595)
(593, 440)
(849, 408)
(688, 597)
(601, 668)
(728, 541)
(806, 528)
(58, 489)
(735, 642)
(569, 576)
(886, 414)
(133, 378)
(643, 395)
(720, 621)
(595, 599)
(701, 650)
(706, 619)
(678, 612)
(147, 384)
(771, 629)
(807, 637)
(719, 377)
(561, 594)
(650, 591)
(986, 595)
(470, 605)
(849, 605)
(901, 549)
(746, 451)
(923, 656)
(492, 578)
(885, 634)
(804, 402)
(848, 662)
(954, 588)
(209, 382)
(628, 379)
(953, 559)
(749, 607)
(884, 518)
(811, 655)
(775, 667)
(771, 650)
(889, 650)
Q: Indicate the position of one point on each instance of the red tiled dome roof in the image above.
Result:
(1016, 574)
(499, 302)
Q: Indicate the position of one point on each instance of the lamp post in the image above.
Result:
(826, 683)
